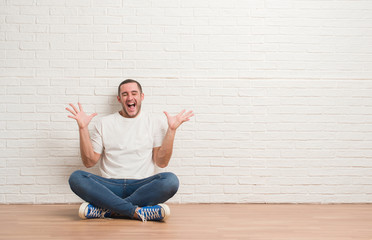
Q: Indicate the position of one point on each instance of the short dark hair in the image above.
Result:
(129, 81)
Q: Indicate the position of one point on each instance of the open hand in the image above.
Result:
(175, 121)
(80, 116)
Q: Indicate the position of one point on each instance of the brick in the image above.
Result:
(80, 3)
(16, 36)
(21, 144)
(35, 28)
(49, 20)
(43, 73)
(109, 3)
(20, 198)
(20, 125)
(64, 11)
(20, 180)
(107, 20)
(208, 189)
(123, 29)
(60, 189)
(34, 189)
(208, 171)
(34, 10)
(92, 11)
(223, 180)
(64, 29)
(35, 171)
(54, 198)
(9, 189)
(19, 19)
(83, 20)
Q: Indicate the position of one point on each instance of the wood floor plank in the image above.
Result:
(195, 221)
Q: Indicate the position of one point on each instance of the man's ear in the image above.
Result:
(142, 96)
(118, 98)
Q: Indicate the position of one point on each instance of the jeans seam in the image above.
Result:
(157, 176)
(92, 176)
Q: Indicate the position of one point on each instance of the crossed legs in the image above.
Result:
(124, 196)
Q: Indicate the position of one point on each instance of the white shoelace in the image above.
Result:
(97, 213)
(148, 214)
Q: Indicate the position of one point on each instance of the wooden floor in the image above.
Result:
(199, 221)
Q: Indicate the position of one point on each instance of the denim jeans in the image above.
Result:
(123, 196)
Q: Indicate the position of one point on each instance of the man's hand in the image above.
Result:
(175, 121)
(89, 157)
(80, 116)
(163, 154)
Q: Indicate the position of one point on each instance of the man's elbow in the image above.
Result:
(89, 165)
(162, 163)
(90, 162)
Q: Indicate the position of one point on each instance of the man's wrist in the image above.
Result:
(83, 128)
(172, 131)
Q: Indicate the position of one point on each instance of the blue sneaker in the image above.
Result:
(154, 213)
(87, 211)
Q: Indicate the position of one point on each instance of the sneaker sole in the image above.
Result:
(82, 208)
(166, 211)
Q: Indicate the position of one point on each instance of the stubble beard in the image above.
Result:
(126, 113)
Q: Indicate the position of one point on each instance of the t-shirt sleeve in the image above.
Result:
(96, 138)
(160, 129)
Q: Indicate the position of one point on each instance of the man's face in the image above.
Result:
(130, 99)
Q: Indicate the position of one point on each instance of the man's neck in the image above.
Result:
(121, 112)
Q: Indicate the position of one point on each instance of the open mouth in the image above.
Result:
(131, 106)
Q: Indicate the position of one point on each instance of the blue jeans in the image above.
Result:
(123, 196)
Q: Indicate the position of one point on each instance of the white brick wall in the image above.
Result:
(282, 92)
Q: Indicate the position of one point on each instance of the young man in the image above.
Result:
(130, 144)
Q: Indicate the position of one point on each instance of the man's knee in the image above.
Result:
(172, 181)
(75, 178)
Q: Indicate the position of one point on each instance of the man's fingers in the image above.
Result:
(186, 120)
(68, 109)
(182, 112)
(73, 117)
(72, 105)
(189, 114)
(93, 115)
(80, 107)
(182, 116)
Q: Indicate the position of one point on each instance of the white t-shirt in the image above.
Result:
(126, 144)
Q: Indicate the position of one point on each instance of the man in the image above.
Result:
(130, 144)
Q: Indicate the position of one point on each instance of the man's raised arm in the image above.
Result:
(162, 154)
(89, 157)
